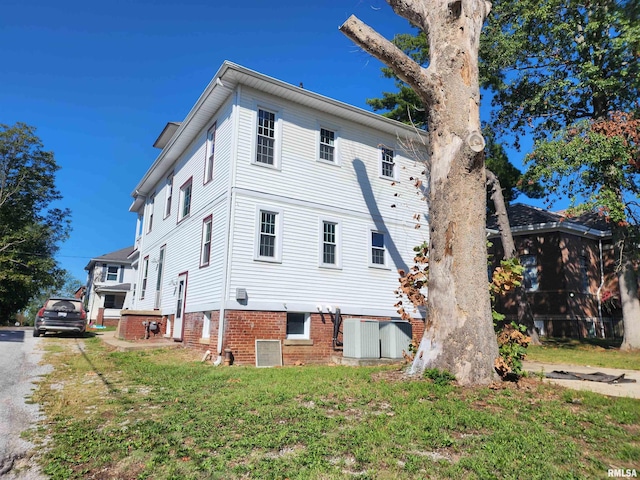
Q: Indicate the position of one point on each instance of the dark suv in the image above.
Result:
(61, 315)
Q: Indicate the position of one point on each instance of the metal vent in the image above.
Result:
(268, 353)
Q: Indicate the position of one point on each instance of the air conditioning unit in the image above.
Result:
(395, 337)
(361, 338)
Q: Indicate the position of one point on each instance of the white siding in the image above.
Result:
(182, 240)
(305, 191)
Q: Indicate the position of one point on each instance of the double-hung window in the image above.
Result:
(330, 244)
(211, 148)
(112, 273)
(387, 165)
(269, 241)
(205, 255)
(327, 145)
(266, 140)
(145, 275)
(530, 273)
(378, 249)
(185, 200)
(150, 206)
(169, 195)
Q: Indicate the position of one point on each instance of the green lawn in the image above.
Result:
(165, 415)
(596, 353)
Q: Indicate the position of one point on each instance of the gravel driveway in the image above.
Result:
(20, 354)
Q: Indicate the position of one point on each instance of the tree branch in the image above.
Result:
(418, 78)
(408, 9)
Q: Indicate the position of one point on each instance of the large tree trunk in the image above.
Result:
(628, 284)
(525, 315)
(459, 334)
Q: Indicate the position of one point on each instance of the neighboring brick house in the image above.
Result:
(109, 280)
(269, 208)
(569, 272)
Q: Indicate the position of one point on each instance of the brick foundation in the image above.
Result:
(242, 328)
(130, 326)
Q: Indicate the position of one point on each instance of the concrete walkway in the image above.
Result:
(127, 346)
(612, 389)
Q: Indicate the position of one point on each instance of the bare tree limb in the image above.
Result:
(420, 79)
(501, 213)
(411, 11)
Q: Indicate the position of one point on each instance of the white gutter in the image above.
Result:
(226, 277)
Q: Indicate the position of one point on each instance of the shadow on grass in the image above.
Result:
(573, 343)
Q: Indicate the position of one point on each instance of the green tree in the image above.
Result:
(550, 63)
(559, 70)
(30, 229)
(596, 163)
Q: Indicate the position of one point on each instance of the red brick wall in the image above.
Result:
(130, 326)
(242, 328)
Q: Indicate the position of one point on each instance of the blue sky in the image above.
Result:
(99, 81)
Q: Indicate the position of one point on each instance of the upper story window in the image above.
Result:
(387, 165)
(169, 195)
(269, 240)
(265, 146)
(327, 145)
(205, 254)
(378, 249)
(530, 273)
(112, 272)
(185, 200)
(211, 148)
(150, 206)
(145, 275)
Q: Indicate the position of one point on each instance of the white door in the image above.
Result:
(181, 295)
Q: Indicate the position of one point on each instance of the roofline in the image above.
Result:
(565, 226)
(385, 124)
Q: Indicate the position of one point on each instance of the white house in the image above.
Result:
(109, 280)
(269, 208)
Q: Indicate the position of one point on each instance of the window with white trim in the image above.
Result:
(112, 273)
(330, 238)
(298, 325)
(378, 249)
(211, 148)
(206, 324)
(387, 162)
(530, 272)
(266, 139)
(205, 254)
(327, 145)
(268, 234)
(169, 195)
(145, 276)
(150, 207)
(185, 200)
(269, 241)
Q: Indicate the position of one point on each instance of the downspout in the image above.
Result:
(600, 290)
(226, 278)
